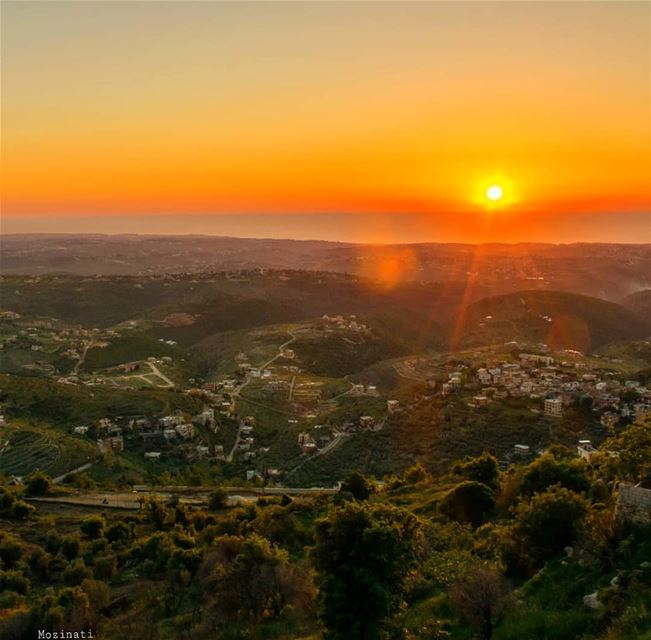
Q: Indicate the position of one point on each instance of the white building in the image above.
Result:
(554, 407)
(585, 449)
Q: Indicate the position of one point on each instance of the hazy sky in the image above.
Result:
(117, 114)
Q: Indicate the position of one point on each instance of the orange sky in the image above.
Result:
(133, 110)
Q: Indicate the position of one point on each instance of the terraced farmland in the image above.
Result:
(26, 451)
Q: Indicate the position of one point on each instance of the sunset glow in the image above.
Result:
(124, 111)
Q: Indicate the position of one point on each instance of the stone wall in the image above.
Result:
(634, 503)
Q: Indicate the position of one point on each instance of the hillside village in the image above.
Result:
(241, 407)
(237, 390)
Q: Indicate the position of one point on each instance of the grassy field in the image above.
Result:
(129, 347)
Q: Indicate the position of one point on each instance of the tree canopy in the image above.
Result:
(363, 556)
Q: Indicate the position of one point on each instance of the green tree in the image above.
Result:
(548, 523)
(218, 500)
(626, 455)
(484, 468)
(547, 471)
(470, 502)
(250, 579)
(363, 555)
(357, 485)
(156, 512)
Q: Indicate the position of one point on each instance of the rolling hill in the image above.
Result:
(640, 304)
(561, 320)
(602, 270)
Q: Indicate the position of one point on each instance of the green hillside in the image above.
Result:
(128, 348)
(562, 320)
(71, 405)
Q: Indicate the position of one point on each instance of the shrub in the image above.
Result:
(97, 592)
(6, 499)
(76, 573)
(93, 526)
(118, 531)
(470, 502)
(10, 552)
(21, 510)
(417, 473)
(38, 484)
(14, 581)
(105, 567)
(70, 547)
(39, 563)
(481, 597)
(52, 542)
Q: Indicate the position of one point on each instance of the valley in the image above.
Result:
(295, 378)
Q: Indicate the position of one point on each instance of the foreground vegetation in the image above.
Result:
(477, 552)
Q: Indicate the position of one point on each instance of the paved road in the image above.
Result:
(193, 497)
(63, 476)
(291, 389)
(343, 393)
(238, 436)
(87, 345)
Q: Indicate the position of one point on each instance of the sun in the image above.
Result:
(494, 193)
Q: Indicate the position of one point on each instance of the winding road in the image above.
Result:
(238, 390)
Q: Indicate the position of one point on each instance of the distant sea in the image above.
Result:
(501, 226)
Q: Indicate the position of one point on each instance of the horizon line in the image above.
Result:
(304, 240)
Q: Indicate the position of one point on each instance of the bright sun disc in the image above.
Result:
(494, 193)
